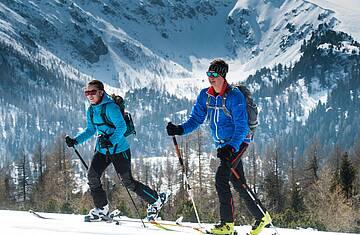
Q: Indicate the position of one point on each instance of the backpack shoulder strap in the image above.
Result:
(91, 110)
(223, 104)
(104, 117)
(228, 90)
(208, 101)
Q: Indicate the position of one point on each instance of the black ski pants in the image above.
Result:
(122, 164)
(222, 178)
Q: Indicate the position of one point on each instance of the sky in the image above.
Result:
(23, 223)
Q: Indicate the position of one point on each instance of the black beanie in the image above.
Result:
(219, 66)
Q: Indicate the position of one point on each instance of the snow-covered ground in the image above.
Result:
(22, 222)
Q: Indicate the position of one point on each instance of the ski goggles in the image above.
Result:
(91, 92)
(212, 74)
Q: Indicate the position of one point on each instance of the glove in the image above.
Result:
(70, 142)
(104, 142)
(174, 129)
(226, 152)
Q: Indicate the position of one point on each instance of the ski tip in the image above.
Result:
(179, 220)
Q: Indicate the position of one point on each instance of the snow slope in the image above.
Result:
(347, 12)
(22, 222)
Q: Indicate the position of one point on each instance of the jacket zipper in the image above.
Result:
(216, 119)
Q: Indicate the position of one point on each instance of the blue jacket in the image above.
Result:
(117, 134)
(225, 129)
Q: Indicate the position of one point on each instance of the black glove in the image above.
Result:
(70, 142)
(104, 142)
(174, 129)
(226, 152)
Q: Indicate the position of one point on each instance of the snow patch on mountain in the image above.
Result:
(278, 29)
(347, 12)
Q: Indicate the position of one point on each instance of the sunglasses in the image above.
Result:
(213, 74)
(92, 92)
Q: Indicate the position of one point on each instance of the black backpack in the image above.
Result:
(130, 127)
(251, 107)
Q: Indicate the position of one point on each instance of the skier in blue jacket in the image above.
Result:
(111, 147)
(230, 131)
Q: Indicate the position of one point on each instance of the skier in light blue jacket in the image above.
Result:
(111, 147)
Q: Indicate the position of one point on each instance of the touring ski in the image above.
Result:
(115, 218)
(38, 215)
(158, 223)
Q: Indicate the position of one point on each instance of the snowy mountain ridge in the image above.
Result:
(345, 12)
(136, 44)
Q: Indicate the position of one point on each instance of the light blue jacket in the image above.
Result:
(225, 129)
(114, 115)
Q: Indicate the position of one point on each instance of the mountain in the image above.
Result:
(316, 98)
(73, 224)
(132, 44)
(50, 49)
(345, 12)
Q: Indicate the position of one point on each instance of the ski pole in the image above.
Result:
(81, 159)
(185, 177)
(249, 191)
(127, 190)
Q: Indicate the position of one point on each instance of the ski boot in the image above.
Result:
(154, 209)
(222, 229)
(259, 225)
(115, 213)
(97, 214)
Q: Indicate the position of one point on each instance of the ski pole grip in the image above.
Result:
(178, 151)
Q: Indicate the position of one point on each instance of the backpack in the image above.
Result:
(130, 127)
(251, 107)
